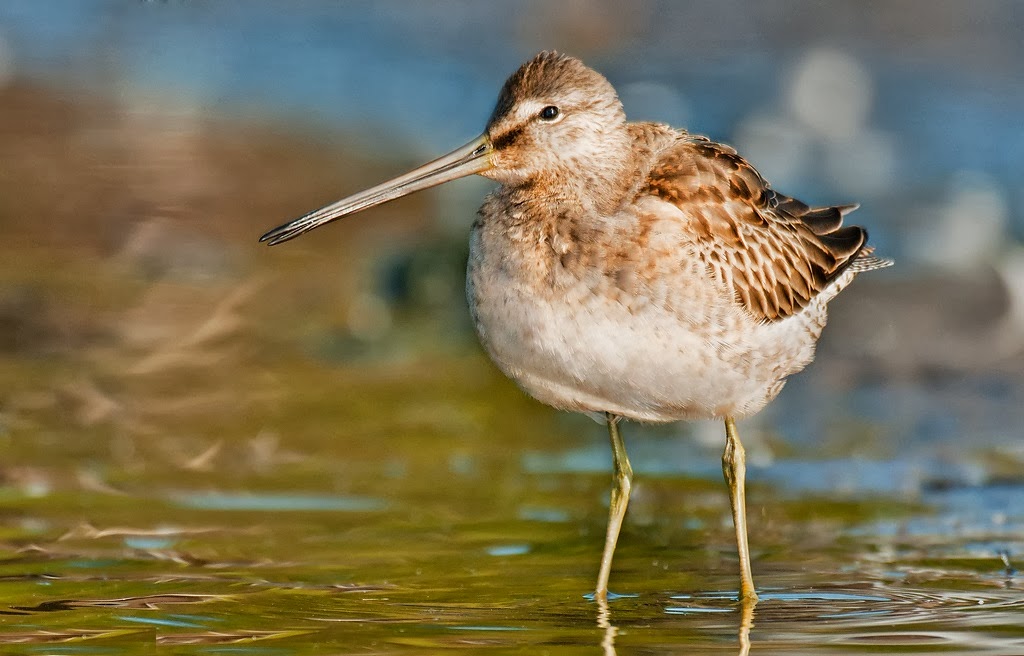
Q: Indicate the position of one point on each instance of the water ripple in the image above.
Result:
(875, 607)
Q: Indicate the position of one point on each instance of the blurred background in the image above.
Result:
(145, 146)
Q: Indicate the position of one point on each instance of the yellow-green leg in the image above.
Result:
(734, 466)
(623, 481)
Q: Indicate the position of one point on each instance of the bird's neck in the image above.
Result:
(586, 186)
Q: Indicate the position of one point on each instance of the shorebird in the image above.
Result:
(633, 270)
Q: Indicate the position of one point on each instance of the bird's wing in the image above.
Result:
(774, 251)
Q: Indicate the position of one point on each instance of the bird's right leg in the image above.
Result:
(734, 466)
(622, 483)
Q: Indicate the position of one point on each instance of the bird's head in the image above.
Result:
(557, 123)
(554, 118)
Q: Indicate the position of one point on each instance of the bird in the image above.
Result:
(632, 270)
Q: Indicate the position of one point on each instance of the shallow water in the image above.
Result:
(433, 508)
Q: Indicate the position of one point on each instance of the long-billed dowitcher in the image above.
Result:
(633, 270)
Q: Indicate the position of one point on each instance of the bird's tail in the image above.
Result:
(866, 260)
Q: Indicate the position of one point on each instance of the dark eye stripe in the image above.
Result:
(503, 140)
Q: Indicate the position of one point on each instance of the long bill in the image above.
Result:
(472, 158)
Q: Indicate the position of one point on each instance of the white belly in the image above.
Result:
(578, 350)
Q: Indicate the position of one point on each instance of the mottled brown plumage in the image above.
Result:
(734, 212)
(632, 269)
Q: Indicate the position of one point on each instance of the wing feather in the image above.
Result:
(776, 252)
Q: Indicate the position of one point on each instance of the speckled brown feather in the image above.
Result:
(774, 251)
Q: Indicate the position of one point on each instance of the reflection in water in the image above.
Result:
(746, 623)
(277, 502)
(604, 622)
(610, 631)
(302, 618)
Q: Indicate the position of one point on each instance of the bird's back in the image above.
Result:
(776, 252)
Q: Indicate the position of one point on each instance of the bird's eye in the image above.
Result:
(549, 113)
